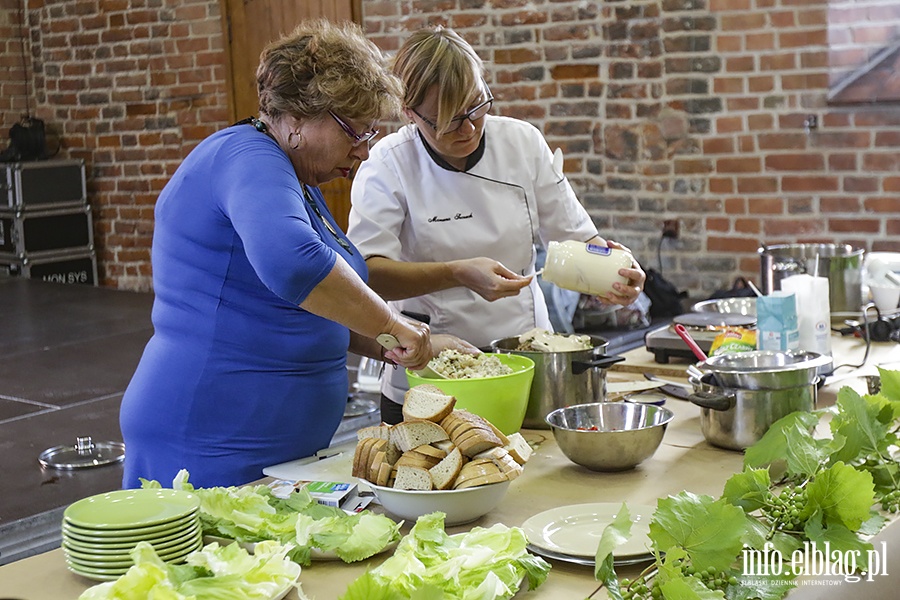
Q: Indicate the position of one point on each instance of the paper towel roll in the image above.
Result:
(813, 311)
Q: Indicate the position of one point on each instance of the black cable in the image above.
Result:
(866, 335)
(22, 53)
(659, 252)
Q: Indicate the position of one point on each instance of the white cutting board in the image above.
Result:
(336, 467)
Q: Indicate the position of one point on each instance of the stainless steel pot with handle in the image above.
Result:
(562, 378)
(767, 369)
(735, 418)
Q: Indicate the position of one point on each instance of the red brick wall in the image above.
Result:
(130, 86)
(666, 109)
(691, 110)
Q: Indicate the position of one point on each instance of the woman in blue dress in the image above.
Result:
(258, 293)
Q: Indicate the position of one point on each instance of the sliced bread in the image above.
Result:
(407, 435)
(427, 402)
(382, 431)
(444, 474)
(518, 448)
(360, 457)
(483, 480)
(476, 440)
(412, 478)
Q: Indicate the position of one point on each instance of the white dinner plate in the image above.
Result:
(575, 530)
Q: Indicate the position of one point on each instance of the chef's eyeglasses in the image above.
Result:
(473, 115)
(359, 138)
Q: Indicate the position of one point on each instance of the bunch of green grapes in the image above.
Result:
(784, 510)
(644, 589)
(890, 502)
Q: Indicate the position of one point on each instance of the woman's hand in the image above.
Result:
(625, 294)
(442, 341)
(414, 337)
(488, 278)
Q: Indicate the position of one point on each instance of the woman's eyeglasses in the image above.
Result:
(359, 138)
(456, 122)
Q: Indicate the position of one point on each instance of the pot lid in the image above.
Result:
(708, 320)
(86, 453)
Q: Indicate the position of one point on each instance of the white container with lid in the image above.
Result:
(585, 267)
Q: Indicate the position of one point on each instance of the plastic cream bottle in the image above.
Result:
(585, 267)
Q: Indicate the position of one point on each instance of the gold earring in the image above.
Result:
(299, 139)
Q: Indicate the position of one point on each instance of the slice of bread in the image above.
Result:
(476, 441)
(506, 463)
(414, 458)
(412, 478)
(518, 448)
(445, 445)
(375, 466)
(382, 431)
(360, 457)
(472, 471)
(407, 435)
(427, 402)
(375, 447)
(384, 474)
(483, 480)
(444, 474)
(430, 450)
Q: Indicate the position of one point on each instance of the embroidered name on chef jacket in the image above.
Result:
(456, 217)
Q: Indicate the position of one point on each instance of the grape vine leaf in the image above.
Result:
(864, 422)
(614, 535)
(675, 584)
(837, 538)
(709, 530)
(873, 524)
(788, 439)
(757, 536)
(761, 587)
(844, 496)
(890, 384)
(748, 489)
(689, 588)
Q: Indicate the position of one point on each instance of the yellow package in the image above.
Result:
(733, 339)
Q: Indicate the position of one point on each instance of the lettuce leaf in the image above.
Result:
(213, 573)
(252, 514)
(482, 564)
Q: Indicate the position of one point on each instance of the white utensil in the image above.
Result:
(558, 161)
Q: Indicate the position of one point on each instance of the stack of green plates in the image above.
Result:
(99, 532)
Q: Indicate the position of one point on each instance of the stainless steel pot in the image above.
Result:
(562, 378)
(840, 263)
(735, 419)
(766, 369)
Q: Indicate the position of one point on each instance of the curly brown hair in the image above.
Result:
(322, 66)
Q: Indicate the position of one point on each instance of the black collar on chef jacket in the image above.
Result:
(471, 160)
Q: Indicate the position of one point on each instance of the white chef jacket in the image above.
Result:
(409, 205)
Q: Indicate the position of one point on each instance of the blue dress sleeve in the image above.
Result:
(262, 197)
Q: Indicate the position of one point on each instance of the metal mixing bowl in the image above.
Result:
(609, 436)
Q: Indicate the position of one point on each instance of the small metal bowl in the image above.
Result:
(609, 436)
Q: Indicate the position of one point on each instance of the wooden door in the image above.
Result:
(250, 25)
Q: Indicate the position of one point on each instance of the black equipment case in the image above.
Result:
(42, 185)
(69, 267)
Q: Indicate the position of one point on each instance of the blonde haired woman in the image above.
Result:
(448, 210)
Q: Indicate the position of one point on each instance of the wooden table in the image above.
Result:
(684, 461)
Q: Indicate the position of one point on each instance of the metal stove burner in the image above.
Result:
(665, 344)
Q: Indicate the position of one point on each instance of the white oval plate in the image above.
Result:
(575, 530)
